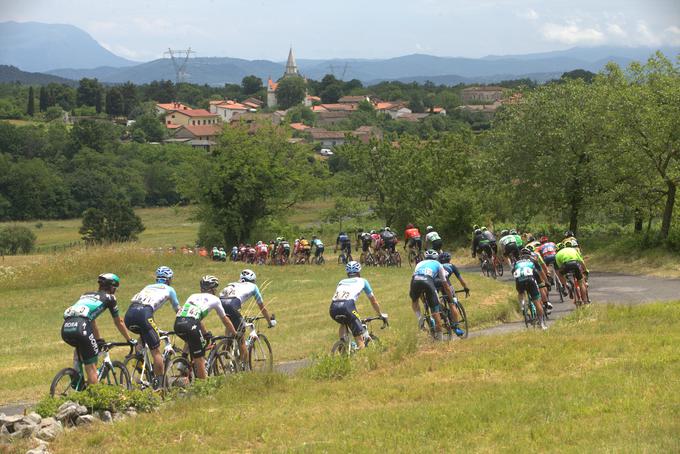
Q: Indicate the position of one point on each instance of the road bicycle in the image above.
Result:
(488, 268)
(427, 322)
(260, 356)
(140, 363)
(318, 260)
(110, 372)
(575, 291)
(558, 285)
(414, 257)
(344, 258)
(393, 259)
(180, 371)
(347, 346)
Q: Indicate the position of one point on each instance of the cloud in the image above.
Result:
(615, 30)
(673, 34)
(529, 14)
(130, 54)
(646, 36)
(571, 33)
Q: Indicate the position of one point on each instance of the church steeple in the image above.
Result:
(291, 66)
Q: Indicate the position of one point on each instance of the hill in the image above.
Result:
(12, 74)
(33, 46)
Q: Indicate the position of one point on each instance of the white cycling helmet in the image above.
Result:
(429, 228)
(209, 282)
(353, 267)
(248, 276)
(431, 254)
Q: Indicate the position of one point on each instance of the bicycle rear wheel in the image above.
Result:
(260, 356)
(499, 268)
(463, 322)
(115, 374)
(178, 373)
(140, 376)
(340, 347)
(224, 363)
(66, 381)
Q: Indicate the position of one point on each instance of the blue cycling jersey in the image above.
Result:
(430, 268)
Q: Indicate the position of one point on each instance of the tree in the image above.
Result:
(43, 99)
(89, 93)
(115, 103)
(31, 102)
(251, 84)
(116, 223)
(301, 114)
(582, 74)
(95, 134)
(154, 131)
(16, 239)
(290, 91)
(130, 99)
(332, 93)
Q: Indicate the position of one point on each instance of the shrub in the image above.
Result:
(102, 397)
(15, 239)
(328, 367)
(117, 223)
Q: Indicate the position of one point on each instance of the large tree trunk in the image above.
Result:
(668, 210)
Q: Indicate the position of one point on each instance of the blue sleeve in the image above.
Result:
(455, 271)
(173, 299)
(367, 288)
(258, 296)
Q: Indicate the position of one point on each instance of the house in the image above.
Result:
(366, 133)
(394, 109)
(438, 111)
(291, 71)
(254, 101)
(481, 94)
(413, 117)
(193, 117)
(299, 126)
(227, 109)
(353, 99)
(325, 118)
(167, 107)
(311, 100)
(328, 139)
(202, 132)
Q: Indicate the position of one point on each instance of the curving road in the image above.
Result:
(613, 288)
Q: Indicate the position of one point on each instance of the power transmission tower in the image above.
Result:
(179, 61)
(344, 70)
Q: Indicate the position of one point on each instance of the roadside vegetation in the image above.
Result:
(595, 381)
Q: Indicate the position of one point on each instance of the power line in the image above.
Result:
(179, 61)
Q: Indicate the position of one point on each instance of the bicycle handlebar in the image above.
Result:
(108, 345)
(385, 321)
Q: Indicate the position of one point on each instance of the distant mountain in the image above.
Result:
(33, 46)
(12, 74)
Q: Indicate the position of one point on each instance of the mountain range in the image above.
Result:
(68, 52)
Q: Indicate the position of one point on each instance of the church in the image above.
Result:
(291, 70)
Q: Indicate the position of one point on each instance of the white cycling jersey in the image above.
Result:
(432, 236)
(350, 289)
(155, 295)
(199, 305)
(242, 291)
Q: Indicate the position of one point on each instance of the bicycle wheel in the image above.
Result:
(341, 259)
(463, 322)
(140, 376)
(115, 374)
(320, 260)
(260, 356)
(66, 381)
(372, 342)
(527, 315)
(499, 268)
(340, 347)
(178, 374)
(223, 363)
(411, 258)
(397, 259)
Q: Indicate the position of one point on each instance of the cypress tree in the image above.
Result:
(43, 99)
(31, 102)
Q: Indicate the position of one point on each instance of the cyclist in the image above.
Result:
(233, 296)
(488, 234)
(526, 274)
(189, 321)
(344, 243)
(412, 238)
(445, 260)
(262, 252)
(423, 283)
(139, 317)
(543, 284)
(318, 245)
(548, 250)
(569, 236)
(510, 247)
(389, 239)
(234, 253)
(305, 249)
(364, 239)
(284, 249)
(376, 241)
(80, 328)
(215, 254)
(432, 239)
(343, 304)
(481, 243)
(569, 260)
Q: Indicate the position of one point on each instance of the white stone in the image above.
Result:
(84, 420)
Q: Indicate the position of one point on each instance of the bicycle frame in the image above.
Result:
(105, 363)
(351, 347)
(147, 363)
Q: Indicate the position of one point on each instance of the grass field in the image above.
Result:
(603, 380)
(33, 297)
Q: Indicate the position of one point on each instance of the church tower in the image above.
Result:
(291, 66)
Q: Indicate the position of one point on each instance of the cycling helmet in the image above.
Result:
(504, 232)
(444, 257)
(525, 252)
(530, 238)
(409, 226)
(478, 231)
(475, 227)
(560, 246)
(568, 244)
(314, 237)
(109, 280)
(373, 232)
(387, 229)
(431, 254)
(513, 232)
(163, 273)
(484, 229)
(353, 267)
(544, 239)
(530, 247)
(429, 228)
(248, 276)
(568, 233)
(209, 282)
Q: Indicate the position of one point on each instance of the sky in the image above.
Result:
(264, 29)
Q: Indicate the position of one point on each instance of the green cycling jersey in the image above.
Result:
(568, 254)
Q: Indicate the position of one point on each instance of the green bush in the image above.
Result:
(15, 239)
(102, 397)
(48, 406)
(330, 367)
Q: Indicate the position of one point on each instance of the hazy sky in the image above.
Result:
(143, 29)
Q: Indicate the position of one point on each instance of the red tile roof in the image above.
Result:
(232, 105)
(172, 106)
(272, 85)
(194, 113)
(299, 126)
(202, 130)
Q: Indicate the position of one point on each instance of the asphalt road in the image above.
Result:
(612, 288)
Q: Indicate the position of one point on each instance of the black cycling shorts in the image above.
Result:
(365, 244)
(511, 249)
(346, 246)
(231, 308)
(494, 246)
(437, 245)
(415, 242)
(189, 330)
(345, 313)
(139, 320)
(530, 287)
(318, 251)
(550, 260)
(424, 285)
(573, 267)
(485, 247)
(77, 332)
